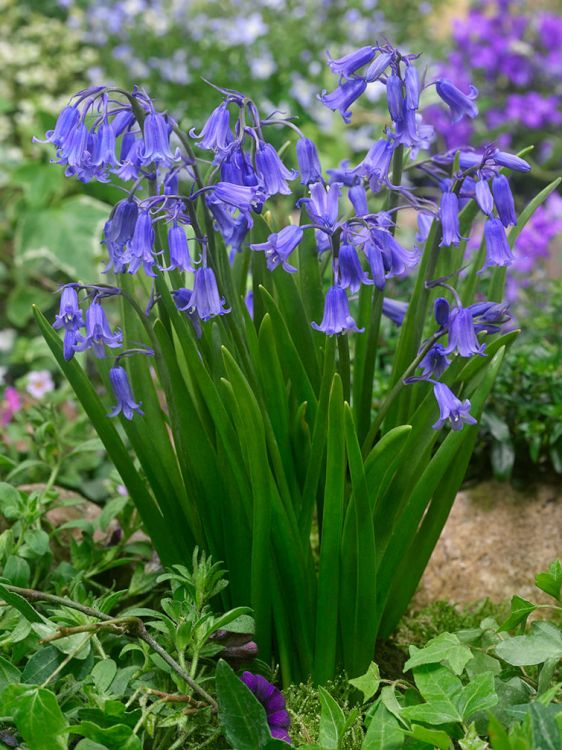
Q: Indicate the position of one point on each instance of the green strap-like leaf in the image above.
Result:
(330, 542)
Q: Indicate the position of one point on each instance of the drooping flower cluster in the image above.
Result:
(176, 225)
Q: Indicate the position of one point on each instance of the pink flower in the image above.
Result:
(10, 405)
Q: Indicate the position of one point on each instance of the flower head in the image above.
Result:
(323, 204)
(351, 274)
(98, 332)
(435, 362)
(498, 252)
(205, 299)
(271, 170)
(39, 382)
(156, 132)
(341, 99)
(279, 246)
(309, 162)
(460, 104)
(449, 215)
(70, 318)
(348, 64)
(273, 702)
(462, 336)
(179, 249)
(451, 409)
(10, 405)
(337, 316)
(216, 134)
(395, 97)
(126, 404)
(503, 198)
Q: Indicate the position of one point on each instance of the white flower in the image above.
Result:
(39, 382)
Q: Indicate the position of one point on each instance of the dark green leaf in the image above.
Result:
(41, 665)
(37, 716)
(520, 611)
(241, 715)
(551, 580)
(9, 674)
(22, 605)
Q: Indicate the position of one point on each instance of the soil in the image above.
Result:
(495, 541)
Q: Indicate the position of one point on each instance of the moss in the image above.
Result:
(418, 627)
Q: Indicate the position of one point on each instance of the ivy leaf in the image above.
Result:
(446, 647)
(368, 683)
(384, 731)
(550, 581)
(440, 689)
(543, 642)
(434, 737)
(520, 611)
(478, 695)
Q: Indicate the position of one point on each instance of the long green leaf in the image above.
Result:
(405, 528)
(147, 507)
(331, 532)
(358, 616)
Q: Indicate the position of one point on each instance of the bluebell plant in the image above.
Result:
(249, 293)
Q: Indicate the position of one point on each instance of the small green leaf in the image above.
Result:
(446, 647)
(383, 732)
(520, 611)
(368, 683)
(17, 571)
(478, 695)
(9, 674)
(543, 642)
(551, 580)
(332, 722)
(103, 674)
(434, 737)
(22, 605)
(115, 737)
(41, 665)
(241, 715)
(471, 740)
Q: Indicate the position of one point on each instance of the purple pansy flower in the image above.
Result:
(273, 701)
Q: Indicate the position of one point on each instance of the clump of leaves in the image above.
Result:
(486, 686)
(523, 418)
